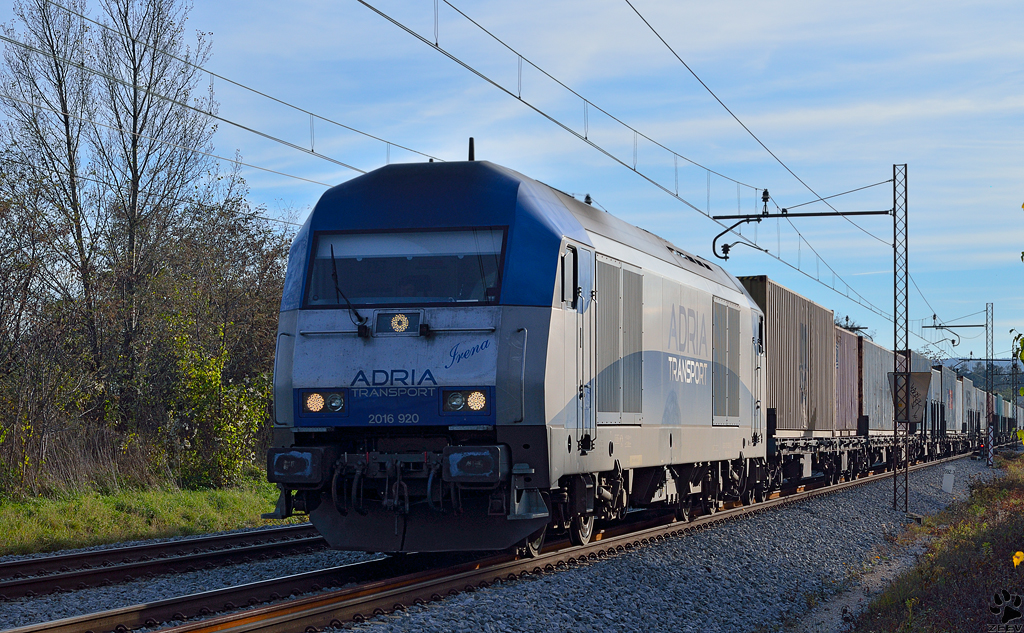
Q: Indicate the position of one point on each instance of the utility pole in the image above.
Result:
(901, 299)
(989, 398)
(1013, 391)
(901, 340)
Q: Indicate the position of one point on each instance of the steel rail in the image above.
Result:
(380, 597)
(386, 591)
(61, 572)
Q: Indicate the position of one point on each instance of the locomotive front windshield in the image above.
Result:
(406, 268)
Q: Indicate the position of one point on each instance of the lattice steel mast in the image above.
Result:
(901, 338)
(989, 380)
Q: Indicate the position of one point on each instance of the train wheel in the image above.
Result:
(532, 544)
(710, 504)
(581, 528)
(761, 491)
(684, 511)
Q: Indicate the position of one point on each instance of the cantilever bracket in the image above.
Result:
(727, 247)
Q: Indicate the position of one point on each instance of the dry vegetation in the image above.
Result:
(969, 560)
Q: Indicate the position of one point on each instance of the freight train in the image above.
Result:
(468, 359)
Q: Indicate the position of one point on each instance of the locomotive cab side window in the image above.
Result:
(570, 277)
(406, 268)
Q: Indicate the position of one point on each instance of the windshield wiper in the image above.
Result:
(359, 320)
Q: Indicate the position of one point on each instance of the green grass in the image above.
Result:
(969, 560)
(44, 525)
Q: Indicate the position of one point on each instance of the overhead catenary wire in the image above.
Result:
(589, 141)
(176, 102)
(168, 143)
(243, 86)
(742, 124)
(818, 198)
(636, 133)
(587, 103)
(174, 199)
(836, 195)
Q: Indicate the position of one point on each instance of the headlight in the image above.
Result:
(314, 402)
(476, 400)
(399, 323)
(466, 401)
(335, 402)
(455, 401)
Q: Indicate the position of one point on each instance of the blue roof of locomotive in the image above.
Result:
(464, 195)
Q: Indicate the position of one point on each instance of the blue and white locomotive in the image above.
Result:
(467, 358)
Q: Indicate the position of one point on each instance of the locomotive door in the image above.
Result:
(756, 355)
(585, 312)
(578, 283)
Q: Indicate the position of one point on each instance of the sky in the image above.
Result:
(838, 92)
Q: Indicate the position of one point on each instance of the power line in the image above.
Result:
(586, 101)
(174, 145)
(582, 137)
(176, 102)
(742, 124)
(838, 276)
(773, 155)
(166, 197)
(243, 86)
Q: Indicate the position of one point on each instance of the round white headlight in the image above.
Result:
(456, 400)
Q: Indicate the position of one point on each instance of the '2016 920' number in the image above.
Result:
(391, 418)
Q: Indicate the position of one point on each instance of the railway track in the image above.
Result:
(78, 570)
(384, 585)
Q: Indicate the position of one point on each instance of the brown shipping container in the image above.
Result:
(876, 395)
(949, 402)
(847, 381)
(800, 350)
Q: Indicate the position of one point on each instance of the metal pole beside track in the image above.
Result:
(989, 379)
(901, 339)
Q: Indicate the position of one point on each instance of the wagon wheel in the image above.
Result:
(684, 510)
(581, 528)
(761, 491)
(710, 504)
(749, 494)
(532, 544)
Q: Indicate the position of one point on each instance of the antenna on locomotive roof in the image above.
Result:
(472, 154)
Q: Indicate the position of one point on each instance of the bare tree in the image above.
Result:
(48, 98)
(138, 287)
(152, 149)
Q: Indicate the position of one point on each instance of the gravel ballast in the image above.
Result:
(749, 574)
(752, 574)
